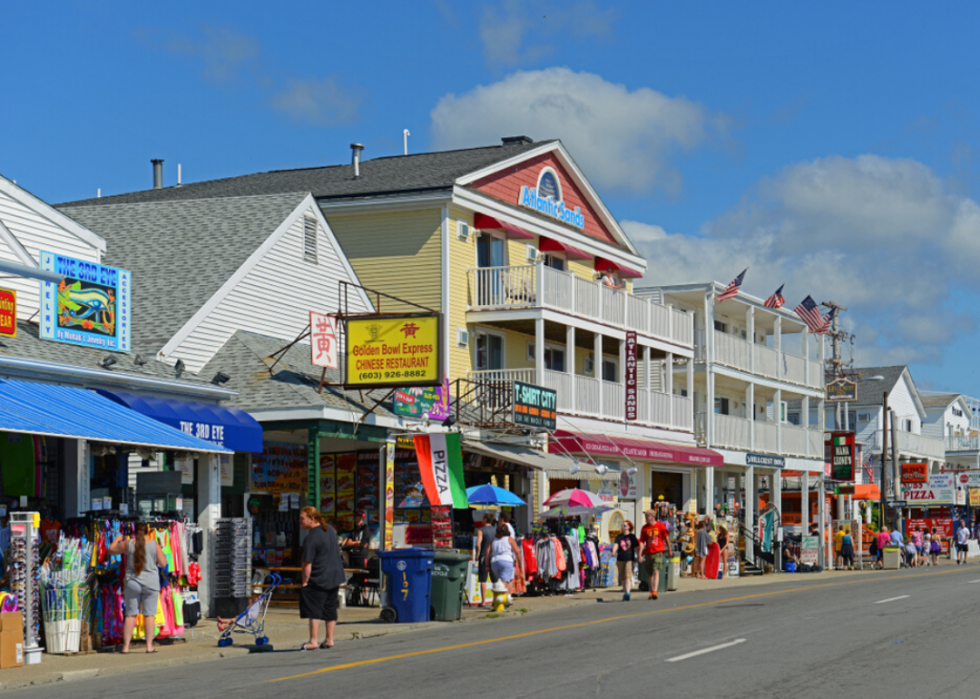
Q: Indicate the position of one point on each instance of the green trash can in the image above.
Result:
(448, 581)
(662, 584)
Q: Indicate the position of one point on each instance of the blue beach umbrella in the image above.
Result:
(492, 495)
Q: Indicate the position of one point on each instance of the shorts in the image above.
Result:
(625, 571)
(918, 549)
(652, 563)
(140, 600)
(962, 548)
(503, 569)
(315, 603)
(878, 554)
(485, 573)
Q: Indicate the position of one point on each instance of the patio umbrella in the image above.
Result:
(561, 512)
(574, 497)
(492, 495)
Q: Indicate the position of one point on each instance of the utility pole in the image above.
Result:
(836, 369)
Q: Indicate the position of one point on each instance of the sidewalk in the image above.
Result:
(287, 631)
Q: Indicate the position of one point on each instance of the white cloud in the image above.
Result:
(319, 102)
(223, 52)
(515, 32)
(623, 139)
(885, 237)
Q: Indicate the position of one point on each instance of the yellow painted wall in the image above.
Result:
(398, 253)
(462, 257)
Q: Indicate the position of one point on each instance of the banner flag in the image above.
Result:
(441, 467)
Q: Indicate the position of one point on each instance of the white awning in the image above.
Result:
(553, 465)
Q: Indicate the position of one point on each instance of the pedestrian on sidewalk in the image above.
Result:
(654, 544)
(936, 547)
(484, 540)
(962, 539)
(502, 556)
(323, 574)
(141, 588)
(723, 548)
(847, 549)
(838, 549)
(702, 544)
(917, 540)
(627, 546)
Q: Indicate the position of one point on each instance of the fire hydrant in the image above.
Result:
(500, 597)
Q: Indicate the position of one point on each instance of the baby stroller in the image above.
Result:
(252, 620)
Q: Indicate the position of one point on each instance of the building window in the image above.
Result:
(721, 406)
(589, 364)
(908, 425)
(554, 262)
(794, 418)
(721, 327)
(610, 372)
(554, 357)
(309, 239)
(684, 392)
(489, 352)
(489, 251)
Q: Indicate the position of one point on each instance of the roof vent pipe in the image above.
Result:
(178, 175)
(356, 149)
(405, 135)
(157, 173)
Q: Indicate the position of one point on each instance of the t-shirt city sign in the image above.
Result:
(546, 198)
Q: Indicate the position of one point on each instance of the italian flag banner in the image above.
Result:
(441, 466)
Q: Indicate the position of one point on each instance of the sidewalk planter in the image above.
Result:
(891, 558)
(448, 581)
(408, 581)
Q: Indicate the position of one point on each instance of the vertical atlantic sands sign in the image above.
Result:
(89, 307)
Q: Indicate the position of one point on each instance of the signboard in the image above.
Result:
(627, 485)
(841, 446)
(280, 468)
(323, 340)
(423, 403)
(389, 496)
(89, 307)
(942, 525)
(765, 460)
(915, 473)
(227, 467)
(844, 490)
(974, 497)
(392, 351)
(897, 504)
(546, 198)
(842, 389)
(940, 489)
(631, 376)
(8, 313)
(534, 406)
(809, 550)
(607, 495)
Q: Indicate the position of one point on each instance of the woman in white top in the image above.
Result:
(502, 554)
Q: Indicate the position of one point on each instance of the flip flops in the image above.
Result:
(304, 648)
(324, 646)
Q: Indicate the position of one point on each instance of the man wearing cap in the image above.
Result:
(358, 542)
(654, 545)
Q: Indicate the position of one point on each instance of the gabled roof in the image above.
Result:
(45, 210)
(181, 251)
(292, 383)
(871, 393)
(939, 400)
(378, 176)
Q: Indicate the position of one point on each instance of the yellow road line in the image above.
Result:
(526, 634)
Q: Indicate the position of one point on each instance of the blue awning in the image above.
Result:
(78, 413)
(226, 427)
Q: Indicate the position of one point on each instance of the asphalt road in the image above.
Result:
(909, 633)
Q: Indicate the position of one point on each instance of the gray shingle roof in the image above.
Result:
(386, 175)
(938, 400)
(292, 384)
(181, 252)
(28, 345)
(872, 392)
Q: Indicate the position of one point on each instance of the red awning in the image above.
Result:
(634, 449)
(866, 491)
(552, 245)
(602, 264)
(489, 223)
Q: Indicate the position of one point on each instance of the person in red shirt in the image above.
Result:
(654, 545)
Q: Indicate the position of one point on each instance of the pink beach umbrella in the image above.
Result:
(574, 497)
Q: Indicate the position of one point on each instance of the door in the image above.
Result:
(490, 282)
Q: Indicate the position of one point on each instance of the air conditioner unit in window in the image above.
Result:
(463, 230)
(532, 253)
(462, 337)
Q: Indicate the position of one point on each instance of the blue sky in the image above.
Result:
(831, 147)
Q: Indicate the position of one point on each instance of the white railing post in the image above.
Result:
(539, 284)
(597, 367)
(670, 323)
(570, 363)
(778, 412)
(669, 387)
(750, 404)
(778, 345)
(539, 351)
(750, 332)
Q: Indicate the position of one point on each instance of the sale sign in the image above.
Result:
(8, 313)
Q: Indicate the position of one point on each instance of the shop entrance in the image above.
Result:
(670, 485)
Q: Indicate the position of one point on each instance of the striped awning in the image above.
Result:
(553, 465)
(78, 413)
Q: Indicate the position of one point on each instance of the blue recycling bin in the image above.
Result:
(408, 582)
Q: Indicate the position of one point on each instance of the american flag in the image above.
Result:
(869, 464)
(731, 291)
(776, 300)
(828, 321)
(810, 314)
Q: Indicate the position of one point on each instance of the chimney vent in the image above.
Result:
(356, 149)
(157, 173)
(516, 140)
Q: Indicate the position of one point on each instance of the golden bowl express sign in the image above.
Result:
(393, 351)
(89, 307)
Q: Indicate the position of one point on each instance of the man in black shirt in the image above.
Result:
(323, 574)
(358, 542)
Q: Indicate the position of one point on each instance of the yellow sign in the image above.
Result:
(974, 497)
(393, 351)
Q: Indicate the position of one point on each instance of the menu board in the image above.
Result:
(367, 485)
(328, 487)
(346, 470)
(280, 468)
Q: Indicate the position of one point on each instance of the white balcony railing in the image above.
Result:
(913, 444)
(736, 433)
(736, 353)
(580, 395)
(539, 286)
(962, 443)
